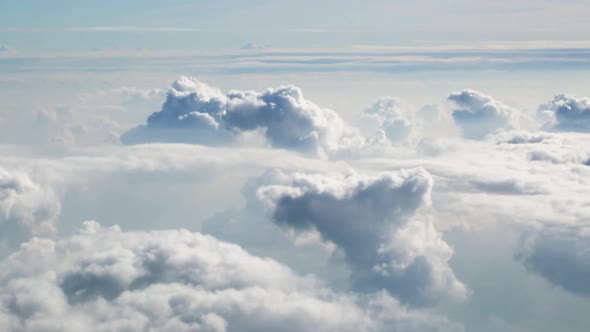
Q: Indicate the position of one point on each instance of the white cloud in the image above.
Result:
(566, 113)
(479, 115)
(391, 120)
(509, 178)
(108, 280)
(197, 113)
(386, 115)
(26, 208)
(494, 181)
(376, 221)
(31, 205)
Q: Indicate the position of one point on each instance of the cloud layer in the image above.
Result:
(103, 279)
(403, 218)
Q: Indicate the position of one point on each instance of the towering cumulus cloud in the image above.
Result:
(26, 208)
(375, 221)
(196, 113)
(109, 280)
(567, 113)
(479, 115)
(192, 113)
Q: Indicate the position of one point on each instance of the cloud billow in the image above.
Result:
(374, 221)
(196, 113)
(192, 113)
(479, 115)
(104, 279)
(26, 208)
(566, 113)
(386, 115)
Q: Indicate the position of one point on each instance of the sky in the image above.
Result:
(199, 26)
(294, 165)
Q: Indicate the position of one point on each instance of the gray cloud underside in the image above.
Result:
(561, 255)
(373, 220)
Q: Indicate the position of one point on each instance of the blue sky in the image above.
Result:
(63, 26)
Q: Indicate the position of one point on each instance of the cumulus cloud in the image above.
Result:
(103, 279)
(374, 220)
(35, 191)
(386, 116)
(479, 115)
(197, 113)
(192, 113)
(372, 232)
(26, 208)
(561, 255)
(566, 113)
(390, 120)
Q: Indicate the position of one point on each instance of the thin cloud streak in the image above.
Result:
(102, 29)
(306, 60)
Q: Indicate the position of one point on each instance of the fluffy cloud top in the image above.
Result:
(373, 219)
(108, 280)
(479, 115)
(386, 115)
(26, 208)
(192, 113)
(196, 113)
(567, 113)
